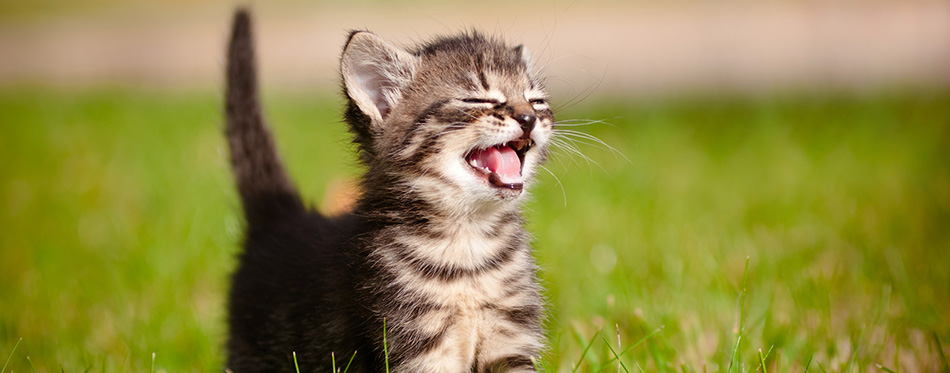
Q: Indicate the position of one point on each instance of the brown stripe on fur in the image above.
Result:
(442, 272)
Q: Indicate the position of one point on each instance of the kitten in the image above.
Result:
(451, 134)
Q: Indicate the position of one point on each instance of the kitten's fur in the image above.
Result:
(435, 246)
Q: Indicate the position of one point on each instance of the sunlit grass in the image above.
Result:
(841, 206)
(120, 225)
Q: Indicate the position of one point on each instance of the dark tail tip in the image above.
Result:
(241, 29)
(241, 49)
(266, 191)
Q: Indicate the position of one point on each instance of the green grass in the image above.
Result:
(790, 232)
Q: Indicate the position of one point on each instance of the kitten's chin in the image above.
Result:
(509, 195)
(499, 191)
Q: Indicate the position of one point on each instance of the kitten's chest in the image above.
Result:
(476, 275)
(464, 270)
(458, 294)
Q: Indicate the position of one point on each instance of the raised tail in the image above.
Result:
(266, 192)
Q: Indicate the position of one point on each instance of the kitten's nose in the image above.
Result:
(527, 122)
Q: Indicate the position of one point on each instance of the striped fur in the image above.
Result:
(433, 249)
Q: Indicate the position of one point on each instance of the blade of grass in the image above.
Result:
(854, 351)
(808, 364)
(742, 295)
(297, 367)
(882, 309)
(762, 358)
(127, 361)
(639, 367)
(546, 366)
(349, 362)
(11, 355)
(617, 357)
(884, 368)
(534, 362)
(385, 347)
(735, 350)
(333, 362)
(152, 369)
(741, 321)
(583, 354)
(659, 358)
(640, 341)
(897, 354)
(32, 368)
(943, 358)
(555, 342)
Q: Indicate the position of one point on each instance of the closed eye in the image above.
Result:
(474, 100)
(539, 103)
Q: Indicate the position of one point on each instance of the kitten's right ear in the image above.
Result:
(375, 72)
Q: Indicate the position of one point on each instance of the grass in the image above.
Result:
(781, 234)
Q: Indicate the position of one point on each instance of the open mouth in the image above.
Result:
(501, 164)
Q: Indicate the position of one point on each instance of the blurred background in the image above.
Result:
(639, 47)
(772, 190)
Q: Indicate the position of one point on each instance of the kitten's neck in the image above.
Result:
(424, 236)
(388, 201)
(412, 210)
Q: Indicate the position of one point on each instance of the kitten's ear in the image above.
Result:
(375, 72)
(525, 55)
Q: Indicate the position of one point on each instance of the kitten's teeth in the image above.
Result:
(519, 145)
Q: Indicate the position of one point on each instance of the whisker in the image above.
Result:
(572, 152)
(559, 184)
(466, 113)
(586, 138)
(575, 150)
(569, 147)
(582, 122)
(542, 70)
(585, 93)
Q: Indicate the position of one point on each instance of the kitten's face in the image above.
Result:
(460, 120)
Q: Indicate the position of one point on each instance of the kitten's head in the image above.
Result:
(459, 120)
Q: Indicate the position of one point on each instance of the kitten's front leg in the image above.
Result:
(430, 342)
(509, 343)
(509, 360)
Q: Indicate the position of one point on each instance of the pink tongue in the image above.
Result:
(501, 160)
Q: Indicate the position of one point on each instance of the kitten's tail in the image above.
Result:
(266, 192)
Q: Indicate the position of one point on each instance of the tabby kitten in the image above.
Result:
(451, 133)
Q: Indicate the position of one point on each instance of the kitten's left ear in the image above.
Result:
(374, 73)
(525, 55)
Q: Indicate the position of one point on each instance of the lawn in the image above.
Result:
(805, 231)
